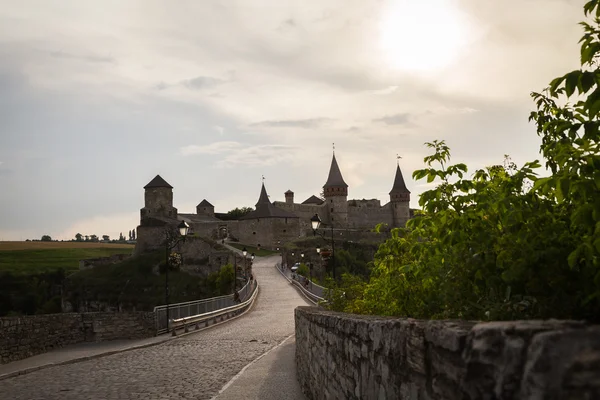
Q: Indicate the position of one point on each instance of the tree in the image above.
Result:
(237, 213)
(121, 237)
(133, 234)
(93, 238)
(46, 238)
(78, 237)
(106, 238)
(129, 236)
(87, 238)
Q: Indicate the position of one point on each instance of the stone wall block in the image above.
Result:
(495, 354)
(563, 364)
(450, 335)
(415, 349)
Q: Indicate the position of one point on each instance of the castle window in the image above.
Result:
(331, 209)
(284, 231)
(331, 201)
(286, 220)
(254, 233)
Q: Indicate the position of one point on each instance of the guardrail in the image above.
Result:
(198, 307)
(223, 314)
(313, 292)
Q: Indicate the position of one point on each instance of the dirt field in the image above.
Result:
(7, 246)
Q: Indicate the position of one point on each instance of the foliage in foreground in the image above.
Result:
(504, 244)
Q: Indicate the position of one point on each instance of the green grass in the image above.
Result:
(33, 261)
(258, 253)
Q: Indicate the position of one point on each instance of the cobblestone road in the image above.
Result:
(196, 366)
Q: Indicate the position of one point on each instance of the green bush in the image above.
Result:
(303, 270)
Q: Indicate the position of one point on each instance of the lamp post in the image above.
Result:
(244, 252)
(315, 222)
(171, 241)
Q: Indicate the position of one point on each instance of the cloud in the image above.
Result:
(387, 90)
(202, 82)
(310, 123)
(444, 110)
(88, 58)
(397, 119)
(219, 129)
(261, 155)
(213, 148)
(236, 153)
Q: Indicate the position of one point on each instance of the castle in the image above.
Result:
(273, 223)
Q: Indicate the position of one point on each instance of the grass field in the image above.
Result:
(38, 257)
(250, 249)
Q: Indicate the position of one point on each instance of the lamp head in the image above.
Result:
(315, 221)
(244, 251)
(318, 250)
(183, 228)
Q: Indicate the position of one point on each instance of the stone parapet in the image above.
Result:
(26, 336)
(346, 356)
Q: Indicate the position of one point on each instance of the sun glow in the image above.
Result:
(425, 35)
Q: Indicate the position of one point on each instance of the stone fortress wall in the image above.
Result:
(346, 356)
(26, 336)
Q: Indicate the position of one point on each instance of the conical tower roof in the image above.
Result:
(335, 175)
(265, 209)
(399, 185)
(158, 182)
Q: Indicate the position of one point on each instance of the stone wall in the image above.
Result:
(363, 217)
(26, 336)
(346, 356)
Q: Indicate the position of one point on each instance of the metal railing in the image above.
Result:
(312, 287)
(197, 307)
(224, 313)
(315, 292)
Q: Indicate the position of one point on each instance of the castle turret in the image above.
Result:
(336, 196)
(205, 208)
(289, 197)
(158, 199)
(400, 200)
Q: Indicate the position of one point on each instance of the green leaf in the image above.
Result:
(572, 78)
(540, 183)
(587, 79)
(564, 184)
(592, 104)
(555, 83)
(574, 257)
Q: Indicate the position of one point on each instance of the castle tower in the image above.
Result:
(205, 208)
(400, 200)
(336, 196)
(158, 199)
(289, 197)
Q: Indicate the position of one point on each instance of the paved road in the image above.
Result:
(196, 366)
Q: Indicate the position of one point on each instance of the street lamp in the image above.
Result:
(244, 252)
(171, 241)
(315, 222)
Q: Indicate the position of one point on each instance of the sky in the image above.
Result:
(98, 97)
